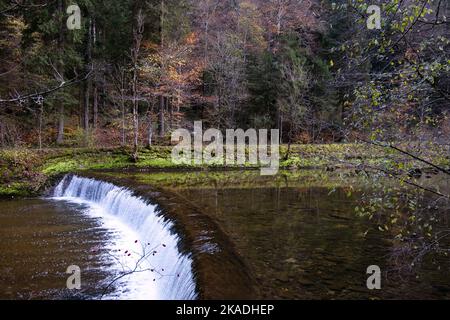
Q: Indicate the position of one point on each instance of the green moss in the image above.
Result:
(24, 172)
(86, 161)
(61, 167)
(15, 190)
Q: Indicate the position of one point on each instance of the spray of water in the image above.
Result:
(146, 248)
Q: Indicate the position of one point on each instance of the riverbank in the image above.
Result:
(27, 172)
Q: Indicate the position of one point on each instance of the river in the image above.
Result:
(188, 235)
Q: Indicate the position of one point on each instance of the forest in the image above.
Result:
(132, 72)
(92, 91)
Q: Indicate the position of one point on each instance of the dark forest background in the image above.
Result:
(137, 70)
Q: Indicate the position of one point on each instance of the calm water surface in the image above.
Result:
(40, 239)
(299, 237)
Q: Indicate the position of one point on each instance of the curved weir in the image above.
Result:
(146, 248)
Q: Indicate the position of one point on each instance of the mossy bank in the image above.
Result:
(27, 172)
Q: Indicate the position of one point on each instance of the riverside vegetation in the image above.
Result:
(26, 172)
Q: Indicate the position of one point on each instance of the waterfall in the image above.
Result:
(145, 242)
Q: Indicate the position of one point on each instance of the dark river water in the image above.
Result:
(40, 239)
(297, 236)
(307, 243)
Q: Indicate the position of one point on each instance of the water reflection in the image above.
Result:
(301, 237)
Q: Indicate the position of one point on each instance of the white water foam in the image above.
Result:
(140, 232)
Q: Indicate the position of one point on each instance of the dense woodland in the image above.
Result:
(95, 97)
(136, 70)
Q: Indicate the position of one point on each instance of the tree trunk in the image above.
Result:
(170, 108)
(80, 105)
(135, 128)
(288, 152)
(60, 69)
(162, 98)
(280, 127)
(150, 131)
(87, 84)
(138, 30)
(161, 116)
(41, 114)
(86, 98)
(2, 134)
(95, 106)
(162, 19)
(122, 106)
(60, 138)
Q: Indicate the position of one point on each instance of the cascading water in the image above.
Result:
(146, 249)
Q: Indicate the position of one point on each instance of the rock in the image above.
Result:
(291, 260)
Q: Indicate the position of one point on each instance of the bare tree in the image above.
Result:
(60, 71)
(138, 30)
(119, 76)
(292, 104)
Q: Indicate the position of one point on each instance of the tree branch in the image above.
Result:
(62, 85)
